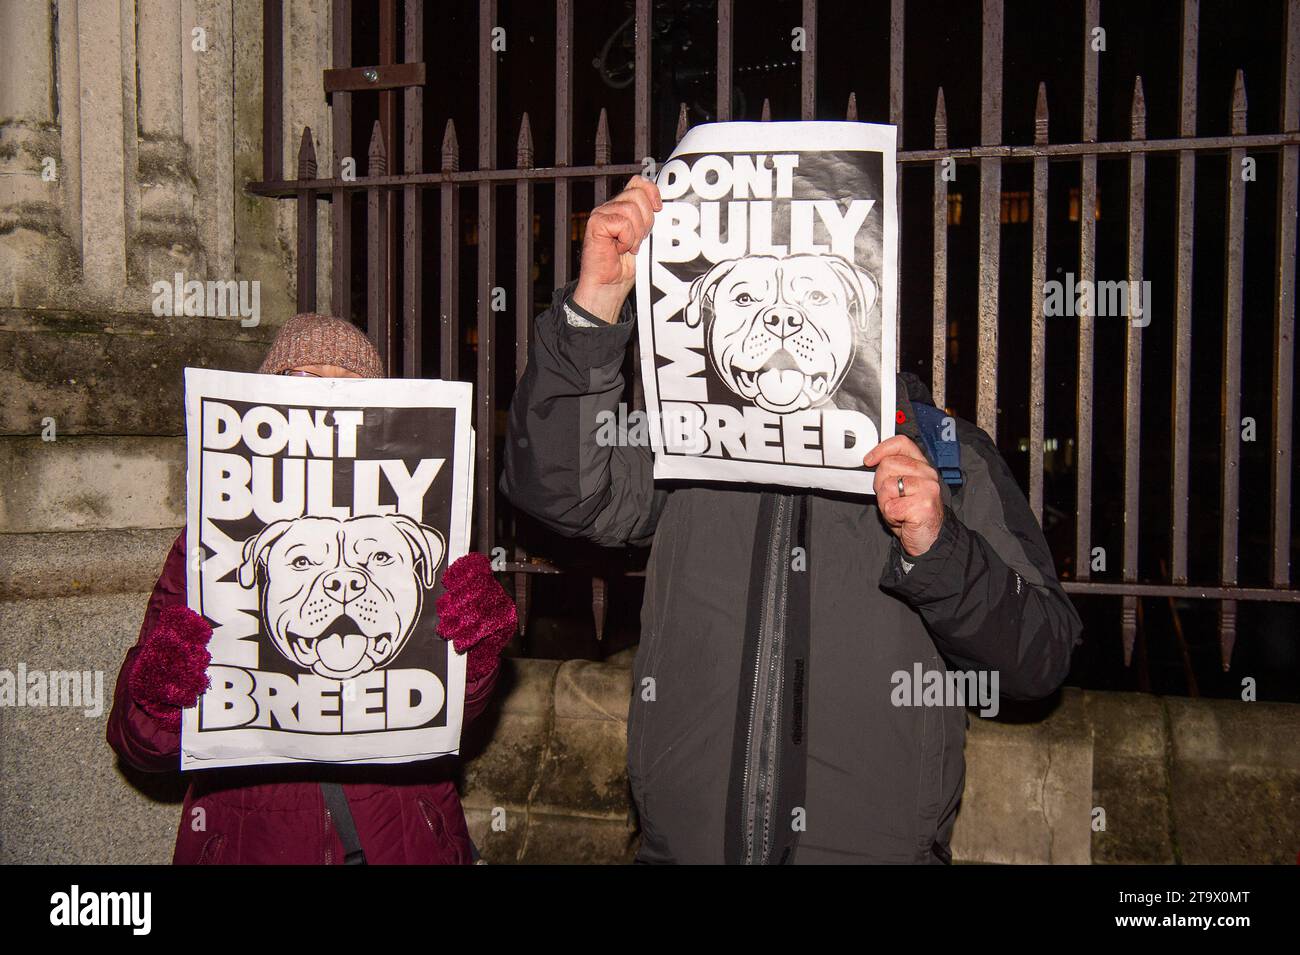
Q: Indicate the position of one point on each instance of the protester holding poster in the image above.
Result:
(357, 629)
(786, 590)
(764, 286)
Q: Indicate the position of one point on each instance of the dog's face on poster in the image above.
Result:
(340, 597)
(781, 331)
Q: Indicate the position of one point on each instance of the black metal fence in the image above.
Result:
(398, 183)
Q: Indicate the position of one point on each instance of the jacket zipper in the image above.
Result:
(761, 777)
(329, 829)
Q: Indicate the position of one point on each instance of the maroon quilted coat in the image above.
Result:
(408, 813)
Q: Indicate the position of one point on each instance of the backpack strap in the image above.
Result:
(341, 815)
(945, 452)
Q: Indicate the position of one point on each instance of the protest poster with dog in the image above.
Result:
(321, 513)
(766, 296)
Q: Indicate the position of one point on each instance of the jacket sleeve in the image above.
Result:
(987, 587)
(560, 465)
(477, 694)
(136, 736)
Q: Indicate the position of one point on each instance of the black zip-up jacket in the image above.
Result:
(763, 725)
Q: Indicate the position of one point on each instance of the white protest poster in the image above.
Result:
(321, 514)
(766, 296)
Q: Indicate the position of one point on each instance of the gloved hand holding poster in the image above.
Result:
(321, 514)
(766, 296)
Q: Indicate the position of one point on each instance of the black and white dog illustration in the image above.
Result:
(340, 597)
(782, 331)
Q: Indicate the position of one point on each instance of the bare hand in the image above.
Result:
(916, 515)
(615, 230)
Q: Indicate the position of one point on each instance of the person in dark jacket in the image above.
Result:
(407, 813)
(766, 724)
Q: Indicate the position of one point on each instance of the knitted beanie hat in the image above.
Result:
(312, 339)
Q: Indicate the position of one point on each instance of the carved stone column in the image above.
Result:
(168, 239)
(36, 247)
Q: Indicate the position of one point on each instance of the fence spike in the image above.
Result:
(767, 111)
(683, 122)
(940, 122)
(376, 154)
(524, 151)
(1128, 628)
(1040, 116)
(1239, 105)
(598, 604)
(851, 114)
(1227, 632)
(450, 149)
(604, 149)
(306, 155)
(1138, 117)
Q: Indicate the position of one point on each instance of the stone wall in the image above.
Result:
(128, 129)
(1192, 781)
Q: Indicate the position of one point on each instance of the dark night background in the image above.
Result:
(1043, 42)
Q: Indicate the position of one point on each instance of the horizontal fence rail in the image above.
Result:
(395, 263)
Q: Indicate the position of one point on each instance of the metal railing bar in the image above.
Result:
(939, 330)
(1284, 315)
(1137, 176)
(1230, 400)
(808, 63)
(726, 34)
(449, 257)
(1064, 151)
(990, 221)
(563, 136)
(341, 203)
(1090, 588)
(377, 324)
(896, 46)
(1057, 152)
(1037, 320)
(1180, 591)
(306, 209)
(641, 107)
(1087, 272)
(484, 390)
(413, 200)
(1185, 200)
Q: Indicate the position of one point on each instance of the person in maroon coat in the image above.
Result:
(408, 813)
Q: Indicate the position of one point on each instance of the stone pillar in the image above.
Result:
(168, 239)
(31, 159)
(104, 51)
(209, 127)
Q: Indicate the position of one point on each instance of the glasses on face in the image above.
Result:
(297, 373)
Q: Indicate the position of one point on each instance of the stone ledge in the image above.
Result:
(111, 373)
(91, 483)
(1130, 779)
(82, 562)
(1194, 781)
(63, 796)
(1028, 789)
(1234, 781)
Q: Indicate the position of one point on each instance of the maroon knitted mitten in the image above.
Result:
(475, 614)
(170, 671)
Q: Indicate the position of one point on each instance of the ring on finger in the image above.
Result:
(902, 492)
